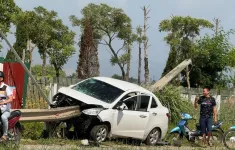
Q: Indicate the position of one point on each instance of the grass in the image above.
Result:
(112, 145)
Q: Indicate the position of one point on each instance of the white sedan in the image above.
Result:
(115, 109)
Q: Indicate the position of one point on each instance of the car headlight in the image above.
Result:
(92, 111)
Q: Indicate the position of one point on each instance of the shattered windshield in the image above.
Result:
(99, 90)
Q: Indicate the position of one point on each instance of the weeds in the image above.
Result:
(32, 130)
(170, 98)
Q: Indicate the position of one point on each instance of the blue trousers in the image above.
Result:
(4, 118)
(206, 124)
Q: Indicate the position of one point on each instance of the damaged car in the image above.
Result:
(112, 108)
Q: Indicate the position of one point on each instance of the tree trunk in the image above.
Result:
(123, 73)
(146, 68)
(57, 78)
(23, 55)
(139, 67)
(30, 59)
(44, 61)
(128, 63)
(216, 26)
(146, 65)
(88, 65)
(94, 60)
(187, 76)
(179, 79)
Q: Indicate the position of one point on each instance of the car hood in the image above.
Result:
(82, 97)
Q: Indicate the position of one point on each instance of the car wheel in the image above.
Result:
(153, 137)
(99, 133)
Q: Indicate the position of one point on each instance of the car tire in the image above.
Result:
(153, 137)
(99, 133)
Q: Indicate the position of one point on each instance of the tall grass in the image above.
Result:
(227, 115)
(170, 98)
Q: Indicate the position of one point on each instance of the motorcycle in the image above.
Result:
(181, 130)
(229, 138)
(14, 128)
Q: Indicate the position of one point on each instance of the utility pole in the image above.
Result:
(170, 75)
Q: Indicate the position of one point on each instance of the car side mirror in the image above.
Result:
(120, 108)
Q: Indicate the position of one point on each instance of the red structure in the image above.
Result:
(15, 76)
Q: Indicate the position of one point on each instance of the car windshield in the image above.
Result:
(99, 90)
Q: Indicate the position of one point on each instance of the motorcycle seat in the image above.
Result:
(15, 113)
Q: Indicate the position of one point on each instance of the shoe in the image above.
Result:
(2, 139)
(204, 145)
(210, 144)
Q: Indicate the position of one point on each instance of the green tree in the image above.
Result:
(50, 72)
(181, 34)
(26, 29)
(109, 24)
(62, 47)
(46, 28)
(213, 55)
(7, 9)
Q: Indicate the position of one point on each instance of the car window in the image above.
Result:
(143, 102)
(128, 96)
(99, 90)
(153, 104)
(129, 101)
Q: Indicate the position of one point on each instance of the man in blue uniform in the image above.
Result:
(207, 113)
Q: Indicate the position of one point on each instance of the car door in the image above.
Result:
(157, 117)
(131, 122)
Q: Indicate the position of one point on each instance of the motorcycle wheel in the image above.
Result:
(217, 137)
(14, 136)
(174, 139)
(229, 139)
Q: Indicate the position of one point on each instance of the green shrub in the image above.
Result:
(170, 98)
(32, 130)
(226, 115)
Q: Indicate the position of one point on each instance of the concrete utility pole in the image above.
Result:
(169, 76)
(25, 68)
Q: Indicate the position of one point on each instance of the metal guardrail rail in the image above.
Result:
(49, 115)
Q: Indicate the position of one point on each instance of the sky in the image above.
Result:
(160, 10)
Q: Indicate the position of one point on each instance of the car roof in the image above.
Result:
(123, 85)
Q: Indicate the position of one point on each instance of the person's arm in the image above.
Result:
(214, 110)
(9, 95)
(215, 114)
(196, 102)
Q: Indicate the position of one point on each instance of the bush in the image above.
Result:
(32, 130)
(226, 115)
(170, 98)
